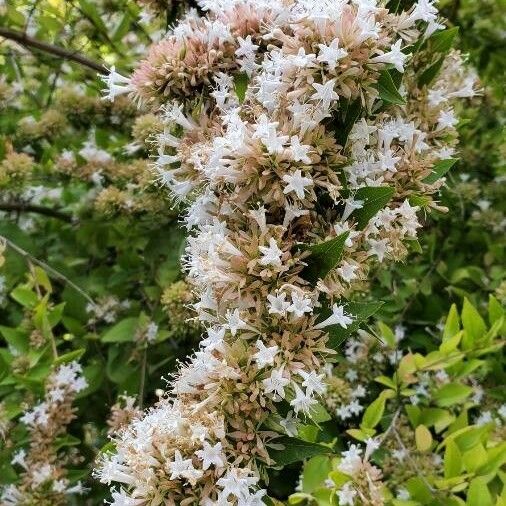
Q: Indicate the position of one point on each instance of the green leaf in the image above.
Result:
(423, 438)
(472, 322)
(479, 494)
(324, 257)
(347, 116)
(361, 312)
(375, 198)
(121, 332)
(374, 413)
(452, 393)
(452, 324)
(440, 169)
(241, 82)
(442, 42)
(452, 460)
(25, 297)
(419, 491)
(495, 310)
(289, 450)
(316, 471)
(430, 73)
(387, 334)
(16, 338)
(69, 357)
(387, 89)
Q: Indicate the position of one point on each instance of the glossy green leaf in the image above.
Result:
(388, 91)
(289, 450)
(324, 257)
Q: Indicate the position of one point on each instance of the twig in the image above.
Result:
(412, 462)
(32, 43)
(143, 376)
(32, 208)
(49, 269)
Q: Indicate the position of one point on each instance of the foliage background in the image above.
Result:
(86, 222)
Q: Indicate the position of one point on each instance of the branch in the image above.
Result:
(31, 208)
(52, 272)
(32, 43)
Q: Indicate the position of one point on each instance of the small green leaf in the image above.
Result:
(452, 393)
(452, 460)
(324, 257)
(374, 413)
(241, 82)
(291, 450)
(375, 198)
(442, 42)
(69, 357)
(387, 89)
(452, 324)
(440, 169)
(430, 73)
(423, 438)
(495, 310)
(25, 297)
(472, 322)
(121, 332)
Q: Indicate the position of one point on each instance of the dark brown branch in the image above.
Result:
(32, 43)
(19, 207)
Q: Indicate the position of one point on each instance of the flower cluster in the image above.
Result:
(43, 478)
(280, 138)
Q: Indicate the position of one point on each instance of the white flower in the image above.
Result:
(395, 57)
(236, 482)
(276, 383)
(265, 356)
(338, 317)
(347, 271)
(313, 382)
(300, 305)
(351, 461)
(301, 59)
(116, 84)
(271, 255)
(246, 47)
(299, 151)
(211, 455)
(234, 322)
(379, 248)
(151, 332)
(341, 228)
(296, 183)
(331, 54)
(347, 495)
(325, 93)
(302, 401)
(277, 304)
(351, 205)
(183, 468)
(289, 424)
(372, 444)
(214, 340)
(446, 119)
